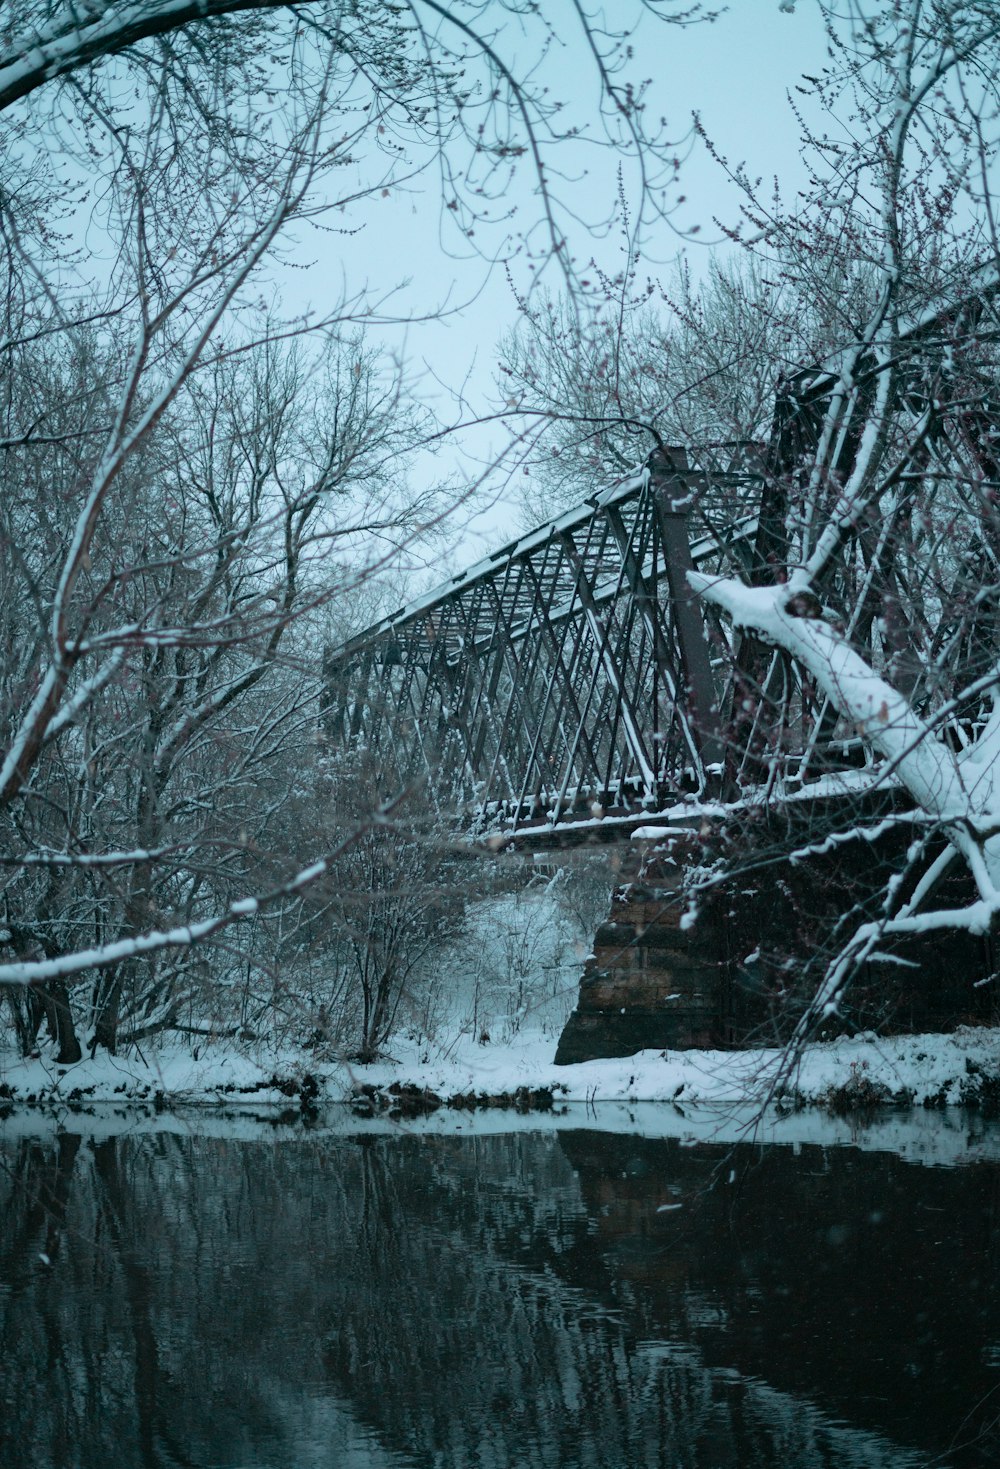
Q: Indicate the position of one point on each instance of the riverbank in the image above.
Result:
(959, 1069)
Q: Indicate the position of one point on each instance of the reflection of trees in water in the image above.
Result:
(477, 1301)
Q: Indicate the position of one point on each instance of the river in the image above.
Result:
(256, 1296)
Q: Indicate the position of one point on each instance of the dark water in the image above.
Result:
(536, 1299)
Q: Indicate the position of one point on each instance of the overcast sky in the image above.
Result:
(735, 72)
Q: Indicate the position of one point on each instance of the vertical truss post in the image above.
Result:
(520, 653)
(333, 700)
(673, 497)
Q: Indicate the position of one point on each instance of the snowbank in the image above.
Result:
(929, 1070)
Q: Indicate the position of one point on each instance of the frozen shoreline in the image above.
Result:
(926, 1070)
(693, 1096)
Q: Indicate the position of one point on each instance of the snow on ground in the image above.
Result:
(927, 1069)
(694, 1096)
(495, 1012)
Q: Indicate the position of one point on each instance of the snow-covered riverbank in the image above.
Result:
(956, 1069)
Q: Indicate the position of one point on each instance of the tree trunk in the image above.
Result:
(55, 1002)
(107, 1010)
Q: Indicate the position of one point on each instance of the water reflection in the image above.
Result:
(536, 1299)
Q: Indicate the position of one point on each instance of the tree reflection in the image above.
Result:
(538, 1300)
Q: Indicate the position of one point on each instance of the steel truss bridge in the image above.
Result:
(571, 674)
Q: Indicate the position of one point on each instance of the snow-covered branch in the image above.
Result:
(876, 710)
(180, 936)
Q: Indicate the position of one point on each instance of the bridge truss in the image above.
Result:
(569, 672)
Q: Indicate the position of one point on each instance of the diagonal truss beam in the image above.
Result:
(567, 672)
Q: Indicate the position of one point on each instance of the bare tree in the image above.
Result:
(658, 361)
(652, 363)
(179, 488)
(870, 617)
(224, 532)
(852, 338)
